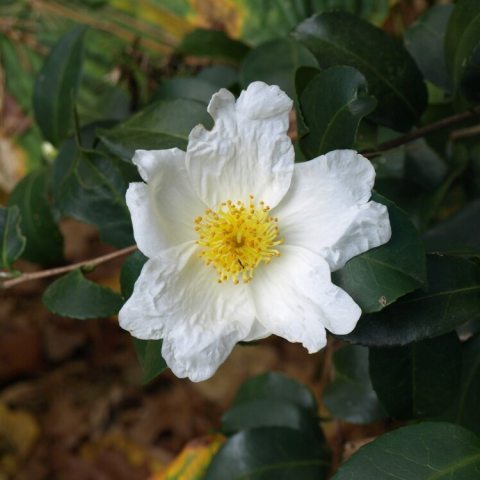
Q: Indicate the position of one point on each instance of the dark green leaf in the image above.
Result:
(418, 380)
(44, 240)
(428, 451)
(275, 63)
(185, 87)
(164, 124)
(270, 453)
(130, 272)
(275, 386)
(57, 84)
(12, 239)
(459, 233)
(90, 187)
(338, 38)
(465, 411)
(213, 44)
(271, 413)
(351, 396)
(333, 104)
(424, 40)
(74, 296)
(380, 276)
(462, 48)
(452, 298)
(222, 76)
(149, 352)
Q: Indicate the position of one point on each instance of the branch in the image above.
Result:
(421, 132)
(26, 277)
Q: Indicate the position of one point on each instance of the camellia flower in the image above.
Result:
(241, 242)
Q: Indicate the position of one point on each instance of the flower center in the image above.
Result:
(236, 238)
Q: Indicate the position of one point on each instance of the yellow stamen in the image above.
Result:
(236, 238)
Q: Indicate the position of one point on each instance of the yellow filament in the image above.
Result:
(236, 237)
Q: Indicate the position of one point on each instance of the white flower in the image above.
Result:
(241, 242)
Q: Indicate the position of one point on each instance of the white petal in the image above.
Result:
(163, 211)
(247, 151)
(327, 211)
(177, 298)
(295, 299)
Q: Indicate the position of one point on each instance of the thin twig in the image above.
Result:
(421, 132)
(26, 277)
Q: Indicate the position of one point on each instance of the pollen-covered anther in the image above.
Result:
(236, 238)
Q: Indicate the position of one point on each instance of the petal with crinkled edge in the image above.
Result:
(327, 210)
(177, 298)
(247, 151)
(163, 210)
(295, 299)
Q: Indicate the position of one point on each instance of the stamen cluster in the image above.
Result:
(236, 238)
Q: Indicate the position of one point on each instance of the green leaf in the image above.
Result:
(275, 63)
(90, 187)
(270, 453)
(459, 233)
(428, 451)
(465, 411)
(213, 44)
(338, 38)
(164, 124)
(351, 396)
(275, 386)
(12, 240)
(222, 76)
(271, 413)
(380, 276)
(424, 40)
(451, 299)
(149, 352)
(418, 380)
(74, 296)
(462, 48)
(57, 84)
(185, 87)
(44, 240)
(333, 104)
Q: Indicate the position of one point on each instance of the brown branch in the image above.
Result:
(421, 132)
(26, 277)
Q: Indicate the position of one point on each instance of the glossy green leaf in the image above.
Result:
(185, 87)
(213, 44)
(270, 453)
(11, 237)
(332, 104)
(419, 380)
(149, 352)
(465, 410)
(161, 125)
(424, 40)
(90, 187)
(380, 276)
(451, 299)
(275, 386)
(222, 76)
(462, 48)
(351, 396)
(427, 451)
(44, 240)
(338, 38)
(459, 233)
(74, 296)
(56, 86)
(275, 63)
(271, 413)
